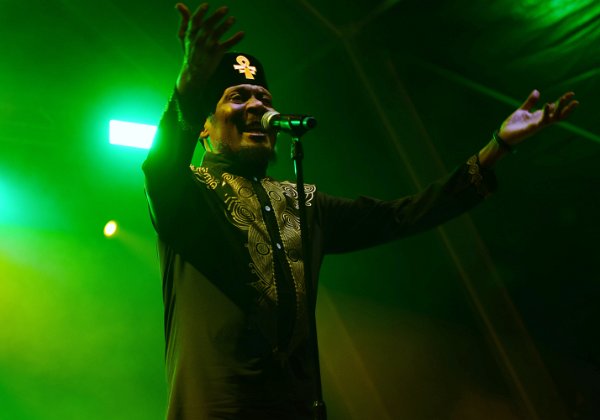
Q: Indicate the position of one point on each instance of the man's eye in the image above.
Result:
(236, 97)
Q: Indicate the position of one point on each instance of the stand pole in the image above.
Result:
(319, 409)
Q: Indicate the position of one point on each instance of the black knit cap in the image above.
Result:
(235, 69)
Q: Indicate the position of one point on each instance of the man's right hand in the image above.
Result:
(202, 46)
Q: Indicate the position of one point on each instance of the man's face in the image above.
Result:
(235, 127)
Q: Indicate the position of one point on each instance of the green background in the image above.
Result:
(494, 316)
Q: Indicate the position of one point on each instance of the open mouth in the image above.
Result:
(255, 129)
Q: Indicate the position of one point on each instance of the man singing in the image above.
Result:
(229, 235)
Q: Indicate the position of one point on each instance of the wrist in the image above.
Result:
(190, 81)
(502, 143)
(491, 153)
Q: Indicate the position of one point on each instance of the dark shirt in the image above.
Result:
(233, 274)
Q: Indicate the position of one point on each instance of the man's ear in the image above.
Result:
(207, 127)
(205, 134)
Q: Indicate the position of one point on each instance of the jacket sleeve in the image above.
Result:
(168, 178)
(350, 225)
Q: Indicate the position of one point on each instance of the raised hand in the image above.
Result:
(203, 48)
(524, 122)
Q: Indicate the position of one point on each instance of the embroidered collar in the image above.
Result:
(221, 163)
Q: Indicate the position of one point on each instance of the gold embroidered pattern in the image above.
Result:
(240, 208)
(205, 177)
(475, 176)
(243, 210)
(284, 198)
(239, 214)
(289, 189)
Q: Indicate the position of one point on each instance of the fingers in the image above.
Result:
(547, 113)
(531, 100)
(183, 10)
(559, 110)
(223, 27)
(185, 18)
(563, 101)
(211, 21)
(567, 96)
(207, 31)
(566, 111)
(196, 20)
(233, 40)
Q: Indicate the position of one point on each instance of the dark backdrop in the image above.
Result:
(493, 316)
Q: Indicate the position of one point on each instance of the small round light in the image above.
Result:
(110, 229)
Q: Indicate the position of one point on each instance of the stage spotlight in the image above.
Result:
(130, 134)
(110, 229)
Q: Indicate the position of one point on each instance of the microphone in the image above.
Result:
(292, 124)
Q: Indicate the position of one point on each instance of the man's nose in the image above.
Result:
(255, 104)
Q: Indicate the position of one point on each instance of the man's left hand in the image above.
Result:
(524, 122)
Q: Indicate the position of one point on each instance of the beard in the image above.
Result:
(250, 156)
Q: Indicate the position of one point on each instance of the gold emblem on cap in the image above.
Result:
(245, 67)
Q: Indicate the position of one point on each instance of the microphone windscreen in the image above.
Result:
(265, 121)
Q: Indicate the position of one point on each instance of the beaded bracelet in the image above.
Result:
(502, 143)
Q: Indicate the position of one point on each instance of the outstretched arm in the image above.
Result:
(167, 166)
(200, 34)
(524, 123)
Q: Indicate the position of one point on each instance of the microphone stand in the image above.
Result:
(319, 409)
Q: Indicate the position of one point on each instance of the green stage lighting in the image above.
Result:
(572, 13)
(130, 134)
